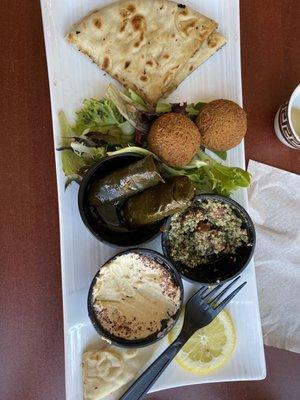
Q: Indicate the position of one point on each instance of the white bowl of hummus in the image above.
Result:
(135, 298)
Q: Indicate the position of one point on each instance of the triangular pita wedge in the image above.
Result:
(210, 46)
(142, 43)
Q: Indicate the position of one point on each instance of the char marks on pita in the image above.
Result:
(144, 44)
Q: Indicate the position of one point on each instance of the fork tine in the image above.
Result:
(214, 290)
(201, 291)
(228, 298)
(223, 291)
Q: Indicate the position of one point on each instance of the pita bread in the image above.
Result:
(210, 46)
(142, 43)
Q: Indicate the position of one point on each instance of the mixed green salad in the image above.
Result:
(119, 123)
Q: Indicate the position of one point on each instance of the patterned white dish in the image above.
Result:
(284, 127)
(72, 77)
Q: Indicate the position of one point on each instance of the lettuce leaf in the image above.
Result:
(190, 110)
(137, 100)
(207, 174)
(87, 153)
(101, 116)
(77, 153)
(221, 154)
(133, 149)
(162, 108)
(131, 110)
(103, 126)
(66, 130)
(72, 164)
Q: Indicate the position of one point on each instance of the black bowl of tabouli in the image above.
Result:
(212, 241)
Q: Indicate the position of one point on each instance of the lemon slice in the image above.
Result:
(209, 348)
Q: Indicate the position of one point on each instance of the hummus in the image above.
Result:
(109, 368)
(135, 297)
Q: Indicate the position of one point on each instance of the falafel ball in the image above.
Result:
(222, 125)
(174, 138)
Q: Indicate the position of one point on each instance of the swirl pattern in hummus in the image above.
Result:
(134, 296)
(110, 368)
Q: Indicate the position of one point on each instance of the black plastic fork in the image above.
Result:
(200, 310)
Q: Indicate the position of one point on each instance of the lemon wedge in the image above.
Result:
(209, 348)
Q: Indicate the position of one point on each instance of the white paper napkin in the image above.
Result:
(274, 204)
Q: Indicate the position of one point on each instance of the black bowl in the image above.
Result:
(150, 339)
(224, 267)
(106, 226)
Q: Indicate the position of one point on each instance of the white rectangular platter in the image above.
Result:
(72, 77)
